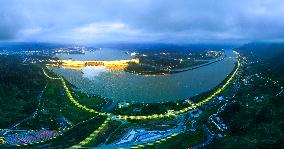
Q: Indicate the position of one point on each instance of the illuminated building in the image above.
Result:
(112, 65)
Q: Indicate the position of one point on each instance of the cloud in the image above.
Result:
(98, 28)
(141, 20)
(9, 22)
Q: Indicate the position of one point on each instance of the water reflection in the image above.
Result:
(123, 86)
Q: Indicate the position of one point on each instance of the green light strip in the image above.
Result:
(143, 117)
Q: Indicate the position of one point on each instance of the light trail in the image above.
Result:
(2, 140)
(93, 135)
(125, 117)
(144, 117)
(159, 141)
(60, 133)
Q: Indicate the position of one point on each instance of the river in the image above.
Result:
(123, 86)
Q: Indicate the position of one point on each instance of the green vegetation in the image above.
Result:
(257, 120)
(94, 102)
(148, 69)
(160, 108)
(75, 135)
(254, 119)
(183, 141)
(20, 85)
(102, 134)
(166, 63)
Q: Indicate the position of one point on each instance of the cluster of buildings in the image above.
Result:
(28, 137)
(213, 53)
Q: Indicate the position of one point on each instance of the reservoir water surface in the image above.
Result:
(123, 86)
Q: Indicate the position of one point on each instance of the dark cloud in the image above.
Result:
(142, 20)
(9, 22)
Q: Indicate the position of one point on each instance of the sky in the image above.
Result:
(169, 21)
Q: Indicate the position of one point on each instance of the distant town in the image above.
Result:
(64, 103)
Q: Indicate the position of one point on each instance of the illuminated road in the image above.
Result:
(126, 117)
(141, 117)
(152, 116)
